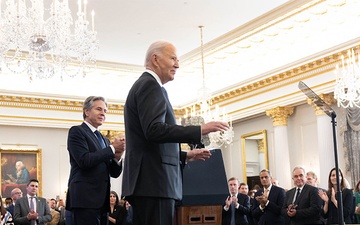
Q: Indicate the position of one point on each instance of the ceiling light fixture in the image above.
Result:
(347, 87)
(41, 47)
(207, 112)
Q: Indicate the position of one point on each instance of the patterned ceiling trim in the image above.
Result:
(293, 74)
(324, 63)
(12, 101)
(51, 104)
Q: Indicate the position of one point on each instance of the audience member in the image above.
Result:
(61, 209)
(330, 207)
(252, 193)
(93, 161)
(129, 213)
(16, 193)
(152, 169)
(357, 202)
(54, 213)
(243, 188)
(31, 209)
(6, 217)
(269, 201)
(117, 215)
(122, 202)
(275, 182)
(237, 205)
(8, 202)
(302, 203)
(256, 187)
(311, 179)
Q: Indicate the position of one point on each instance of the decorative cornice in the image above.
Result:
(280, 115)
(13, 101)
(321, 63)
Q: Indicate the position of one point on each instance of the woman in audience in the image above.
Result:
(330, 209)
(117, 215)
(6, 217)
(357, 201)
(129, 213)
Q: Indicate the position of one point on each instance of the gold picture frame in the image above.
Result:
(18, 166)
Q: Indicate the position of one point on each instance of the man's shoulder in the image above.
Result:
(242, 196)
(278, 189)
(79, 128)
(24, 198)
(42, 200)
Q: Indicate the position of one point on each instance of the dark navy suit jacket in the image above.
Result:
(11, 209)
(271, 214)
(240, 213)
(308, 209)
(91, 168)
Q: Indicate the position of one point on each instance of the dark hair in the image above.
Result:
(267, 171)
(256, 187)
(53, 199)
(2, 208)
(116, 196)
(330, 185)
(234, 178)
(89, 103)
(32, 180)
(242, 184)
(8, 198)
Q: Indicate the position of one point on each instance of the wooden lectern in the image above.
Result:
(192, 215)
(204, 192)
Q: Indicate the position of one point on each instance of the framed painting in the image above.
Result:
(18, 166)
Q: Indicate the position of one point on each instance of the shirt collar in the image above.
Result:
(92, 128)
(301, 188)
(157, 78)
(269, 188)
(28, 196)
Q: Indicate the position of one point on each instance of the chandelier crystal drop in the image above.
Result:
(42, 42)
(347, 87)
(207, 112)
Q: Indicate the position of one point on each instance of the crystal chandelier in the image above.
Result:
(41, 47)
(207, 113)
(347, 87)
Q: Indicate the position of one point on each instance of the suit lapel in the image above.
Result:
(92, 136)
(27, 203)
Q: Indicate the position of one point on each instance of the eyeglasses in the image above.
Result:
(18, 193)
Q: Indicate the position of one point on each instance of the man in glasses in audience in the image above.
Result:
(16, 193)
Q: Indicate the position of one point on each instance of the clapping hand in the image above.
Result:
(198, 154)
(119, 146)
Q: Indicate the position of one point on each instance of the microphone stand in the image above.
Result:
(338, 187)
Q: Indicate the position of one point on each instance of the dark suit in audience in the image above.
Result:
(306, 209)
(23, 213)
(270, 199)
(237, 205)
